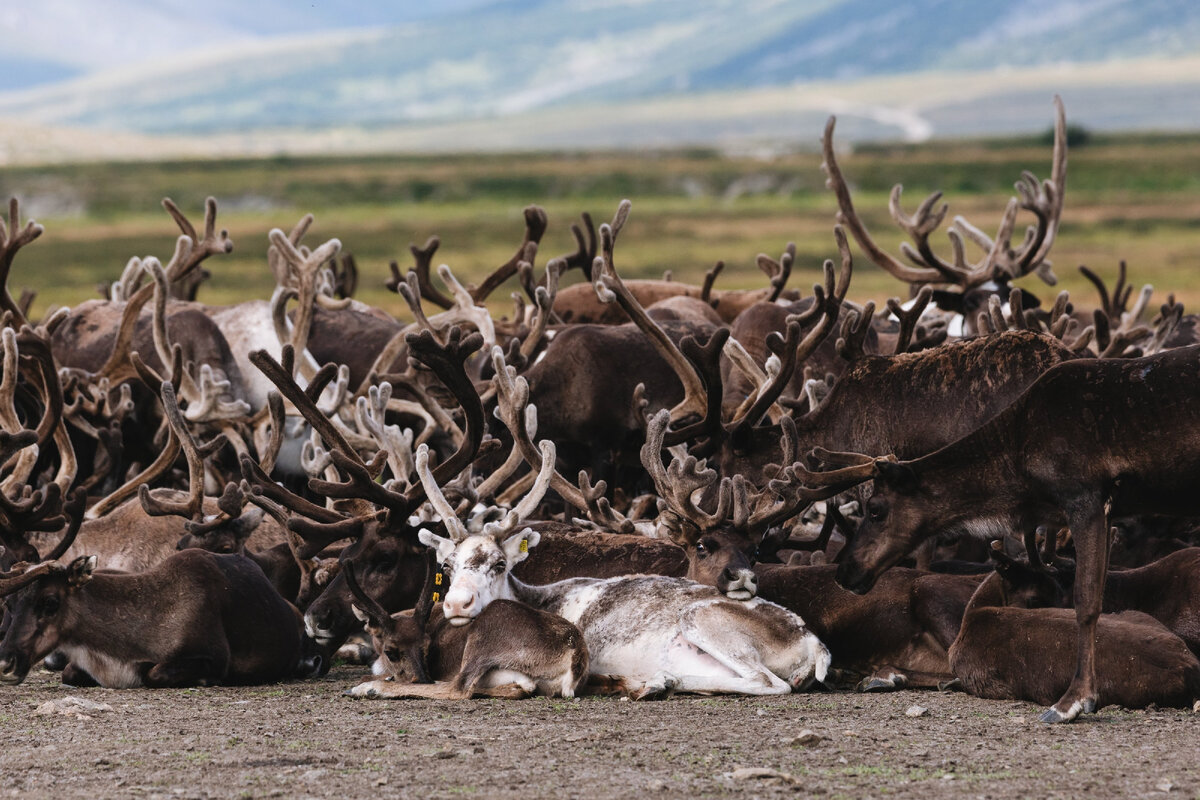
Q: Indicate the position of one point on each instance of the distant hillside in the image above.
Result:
(364, 67)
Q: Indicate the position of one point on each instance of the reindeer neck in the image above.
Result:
(989, 594)
(978, 480)
(108, 600)
(547, 597)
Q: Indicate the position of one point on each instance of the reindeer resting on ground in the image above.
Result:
(509, 650)
(1087, 439)
(196, 619)
(654, 634)
(1008, 651)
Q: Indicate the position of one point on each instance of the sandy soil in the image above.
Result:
(309, 740)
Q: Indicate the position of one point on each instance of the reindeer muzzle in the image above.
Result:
(742, 584)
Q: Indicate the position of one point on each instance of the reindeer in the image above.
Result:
(656, 634)
(196, 619)
(508, 644)
(1008, 651)
(1088, 439)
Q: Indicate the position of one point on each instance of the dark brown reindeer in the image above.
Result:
(1088, 439)
(1167, 589)
(896, 636)
(1012, 647)
(196, 619)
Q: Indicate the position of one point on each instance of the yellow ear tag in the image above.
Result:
(524, 545)
(437, 579)
(436, 597)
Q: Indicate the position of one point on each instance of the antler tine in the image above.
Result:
(410, 290)
(213, 243)
(684, 477)
(544, 306)
(9, 418)
(609, 288)
(18, 578)
(503, 528)
(454, 526)
(158, 467)
(587, 248)
(710, 278)
(261, 486)
(283, 380)
(908, 319)
(785, 353)
(156, 504)
(73, 508)
(368, 604)
(423, 261)
(535, 228)
(843, 477)
(304, 267)
(924, 221)
(849, 217)
(13, 238)
(778, 271)
(36, 347)
(707, 360)
(852, 342)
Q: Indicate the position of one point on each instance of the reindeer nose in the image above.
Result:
(459, 604)
(729, 574)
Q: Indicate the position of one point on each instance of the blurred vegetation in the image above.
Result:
(1134, 198)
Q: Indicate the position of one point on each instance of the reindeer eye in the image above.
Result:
(877, 510)
(499, 566)
(48, 606)
(701, 549)
(392, 654)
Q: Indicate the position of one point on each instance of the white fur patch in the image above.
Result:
(109, 672)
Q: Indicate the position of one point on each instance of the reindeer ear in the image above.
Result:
(359, 614)
(897, 476)
(516, 547)
(443, 547)
(247, 523)
(80, 571)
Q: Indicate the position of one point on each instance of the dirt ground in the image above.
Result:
(309, 740)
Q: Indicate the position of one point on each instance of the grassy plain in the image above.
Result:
(1134, 198)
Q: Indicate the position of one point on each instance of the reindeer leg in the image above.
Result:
(76, 676)
(1091, 549)
(187, 671)
(710, 635)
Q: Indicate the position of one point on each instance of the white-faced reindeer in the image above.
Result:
(655, 634)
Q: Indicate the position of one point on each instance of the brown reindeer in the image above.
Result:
(196, 619)
(1008, 651)
(508, 644)
(1087, 439)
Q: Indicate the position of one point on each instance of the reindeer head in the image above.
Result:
(39, 603)
(898, 517)
(478, 556)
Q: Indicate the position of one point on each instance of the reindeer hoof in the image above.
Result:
(952, 685)
(876, 683)
(1053, 716)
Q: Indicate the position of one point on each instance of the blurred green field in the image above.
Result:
(1134, 198)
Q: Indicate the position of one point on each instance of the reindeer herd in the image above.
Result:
(635, 487)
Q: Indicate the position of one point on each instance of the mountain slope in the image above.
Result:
(481, 59)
